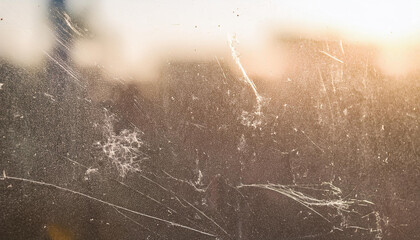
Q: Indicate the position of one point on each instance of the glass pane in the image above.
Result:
(209, 119)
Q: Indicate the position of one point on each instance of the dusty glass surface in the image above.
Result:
(212, 120)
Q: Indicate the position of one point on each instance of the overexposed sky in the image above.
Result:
(129, 33)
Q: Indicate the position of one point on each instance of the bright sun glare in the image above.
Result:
(145, 32)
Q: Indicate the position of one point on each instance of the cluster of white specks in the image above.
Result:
(251, 119)
(242, 143)
(123, 149)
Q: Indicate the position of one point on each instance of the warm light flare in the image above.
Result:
(133, 33)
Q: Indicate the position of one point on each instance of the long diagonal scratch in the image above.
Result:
(62, 67)
(235, 56)
(108, 204)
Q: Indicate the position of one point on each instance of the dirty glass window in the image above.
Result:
(209, 119)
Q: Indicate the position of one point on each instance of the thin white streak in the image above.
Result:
(62, 67)
(238, 62)
(331, 56)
